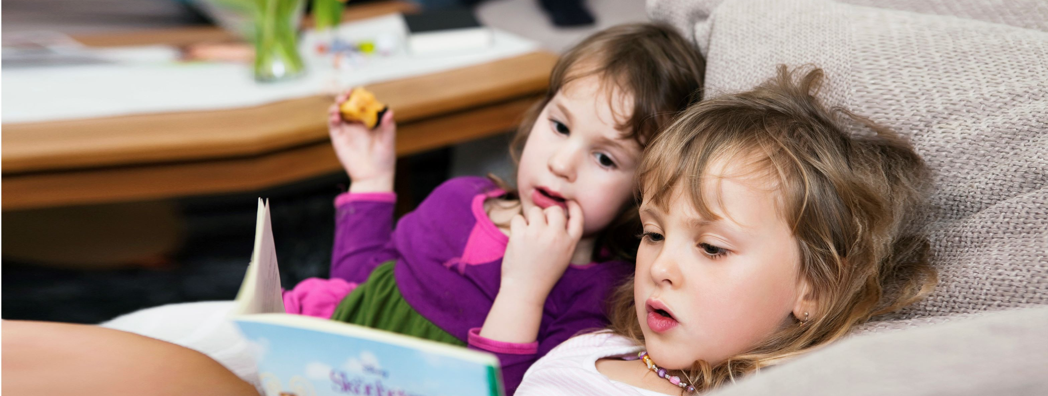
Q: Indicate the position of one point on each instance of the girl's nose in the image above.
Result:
(664, 270)
(563, 162)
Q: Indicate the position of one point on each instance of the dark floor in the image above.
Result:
(210, 265)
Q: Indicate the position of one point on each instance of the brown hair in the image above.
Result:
(854, 203)
(656, 65)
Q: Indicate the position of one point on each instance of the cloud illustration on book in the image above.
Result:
(258, 348)
(297, 386)
(366, 363)
(433, 360)
(318, 371)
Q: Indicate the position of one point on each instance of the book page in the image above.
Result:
(309, 356)
(260, 292)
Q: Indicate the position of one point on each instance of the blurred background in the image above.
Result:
(90, 263)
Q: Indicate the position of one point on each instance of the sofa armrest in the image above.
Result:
(997, 353)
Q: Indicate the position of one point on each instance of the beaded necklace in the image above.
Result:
(662, 373)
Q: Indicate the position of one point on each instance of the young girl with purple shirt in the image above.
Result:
(514, 272)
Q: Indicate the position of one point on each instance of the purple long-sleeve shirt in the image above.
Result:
(449, 263)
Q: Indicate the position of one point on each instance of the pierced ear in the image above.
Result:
(804, 309)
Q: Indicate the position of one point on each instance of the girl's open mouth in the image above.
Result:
(660, 319)
(544, 198)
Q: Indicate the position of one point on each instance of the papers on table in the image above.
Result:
(152, 79)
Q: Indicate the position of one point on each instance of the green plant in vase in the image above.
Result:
(276, 42)
(327, 14)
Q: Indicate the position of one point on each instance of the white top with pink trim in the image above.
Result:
(571, 368)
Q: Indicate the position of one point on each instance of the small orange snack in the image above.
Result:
(361, 106)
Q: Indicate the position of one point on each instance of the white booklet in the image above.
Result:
(260, 292)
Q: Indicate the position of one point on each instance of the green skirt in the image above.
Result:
(378, 304)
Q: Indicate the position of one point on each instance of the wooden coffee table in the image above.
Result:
(168, 155)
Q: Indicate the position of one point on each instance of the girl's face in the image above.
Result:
(574, 152)
(711, 289)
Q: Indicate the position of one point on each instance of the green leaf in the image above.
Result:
(327, 13)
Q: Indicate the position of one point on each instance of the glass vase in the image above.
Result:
(276, 40)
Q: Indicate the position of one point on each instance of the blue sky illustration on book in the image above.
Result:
(315, 363)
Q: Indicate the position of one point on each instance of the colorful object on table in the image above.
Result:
(338, 45)
(361, 106)
(276, 47)
(662, 373)
(367, 47)
(387, 44)
(347, 61)
(380, 45)
(350, 55)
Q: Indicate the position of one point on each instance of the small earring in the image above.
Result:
(805, 321)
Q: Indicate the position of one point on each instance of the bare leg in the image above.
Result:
(41, 358)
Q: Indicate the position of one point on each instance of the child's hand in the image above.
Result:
(367, 155)
(540, 250)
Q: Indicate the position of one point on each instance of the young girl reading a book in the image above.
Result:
(509, 271)
(768, 232)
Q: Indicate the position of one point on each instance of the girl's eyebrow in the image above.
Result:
(615, 143)
(651, 211)
(694, 222)
(733, 231)
(563, 110)
(697, 222)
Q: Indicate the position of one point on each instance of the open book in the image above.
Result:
(306, 356)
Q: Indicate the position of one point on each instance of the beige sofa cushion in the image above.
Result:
(971, 95)
(1029, 14)
(999, 353)
(688, 15)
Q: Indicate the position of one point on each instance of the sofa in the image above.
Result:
(967, 82)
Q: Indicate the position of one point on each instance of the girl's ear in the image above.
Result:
(804, 309)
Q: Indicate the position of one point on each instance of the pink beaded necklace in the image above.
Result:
(662, 373)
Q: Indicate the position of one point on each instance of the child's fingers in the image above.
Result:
(335, 116)
(387, 119)
(517, 224)
(555, 217)
(575, 220)
(388, 127)
(536, 216)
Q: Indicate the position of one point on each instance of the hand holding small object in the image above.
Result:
(367, 154)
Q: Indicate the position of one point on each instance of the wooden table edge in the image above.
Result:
(230, 175)
(186, 143)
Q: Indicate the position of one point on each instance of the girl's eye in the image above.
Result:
(712, 251)
(560, 127)
(605, 160)
(651, 237)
